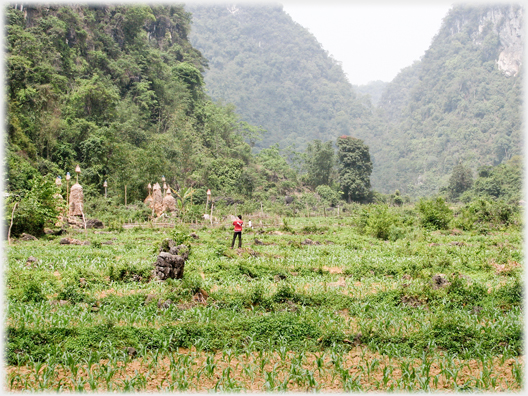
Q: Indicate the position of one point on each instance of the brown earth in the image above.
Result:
(251, 371)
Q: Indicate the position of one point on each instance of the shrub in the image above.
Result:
(192, 283)
(313, 229)
(37, 208)
(32, 292)
(481, 214)
(129, 272)
(379, 222)
(181, 237)
(435, 214)
(71, 293)
(329, 196)
(284, 292)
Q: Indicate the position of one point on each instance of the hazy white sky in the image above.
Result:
(373, 41)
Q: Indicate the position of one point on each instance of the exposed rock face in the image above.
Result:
(507, 22)
(76, 200)
(169, 203)
(27, 237)
(75, 222)
(157, 200)
(94, 223)
(171, 260)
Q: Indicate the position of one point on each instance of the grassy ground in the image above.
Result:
(340, 311)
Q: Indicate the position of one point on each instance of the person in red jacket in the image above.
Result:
(238, 232)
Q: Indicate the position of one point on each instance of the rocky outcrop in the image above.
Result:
(75, 222)
(72, 241)
(94, 223)
(507, 22)
(171, 260)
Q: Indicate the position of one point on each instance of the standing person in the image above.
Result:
(249, 224)
(238, 232)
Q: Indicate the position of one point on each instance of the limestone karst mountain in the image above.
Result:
(460, 103)
(276, 74)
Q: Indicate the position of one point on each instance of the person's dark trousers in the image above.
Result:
(239, 234)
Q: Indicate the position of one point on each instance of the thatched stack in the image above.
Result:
(76, 200)
(169, 203)
(157, 200)
(148, 201)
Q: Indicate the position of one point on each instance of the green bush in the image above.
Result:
(37, 208)
(313, 229)
(192, 283)
(482, 213)
(435, 214)
(71, 293)
(284, 292)
(329, 196)
(32, 292)
(122, 271)
(380, 222)
(181, 237)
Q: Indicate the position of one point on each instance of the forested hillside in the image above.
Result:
(461, 103)
(119, 90)
(276, 73)
(374, 89)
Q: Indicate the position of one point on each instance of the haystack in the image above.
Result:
(169, 203)
(76, 200)
(157, 200)
(149, 200)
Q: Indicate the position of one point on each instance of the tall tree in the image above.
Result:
(354, 168)
(319, 163)
(461, 180)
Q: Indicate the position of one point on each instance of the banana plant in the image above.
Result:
(183, 194)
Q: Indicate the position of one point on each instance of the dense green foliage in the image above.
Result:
(319, 163)
(355, 168)
(461, 180)
(276, 73)
(119, 90)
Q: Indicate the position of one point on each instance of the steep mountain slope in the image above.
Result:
(276, 74)
(118, 90)
(461, 102)
(374, 89)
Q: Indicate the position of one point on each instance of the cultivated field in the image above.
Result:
(307, 304)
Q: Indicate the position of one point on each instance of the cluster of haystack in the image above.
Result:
(157, 202)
